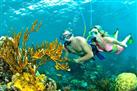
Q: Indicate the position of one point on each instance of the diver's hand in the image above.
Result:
(66, 59)
(77, 61)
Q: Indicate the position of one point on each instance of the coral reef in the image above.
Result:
(126, 82)
(5, 75)
(79, 83)
(24, 61)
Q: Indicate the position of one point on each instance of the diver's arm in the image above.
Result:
(66, 53)
(117, 42)
(88, 53)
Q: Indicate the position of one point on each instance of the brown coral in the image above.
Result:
(24, 58)
(52, 51)
(24, 62)
(16, 57)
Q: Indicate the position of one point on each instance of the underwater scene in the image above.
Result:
(68, 45)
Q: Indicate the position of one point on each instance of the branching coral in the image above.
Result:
(52, 51)
(16, 57)
(24, 62)
(9, 53)
(25, 58)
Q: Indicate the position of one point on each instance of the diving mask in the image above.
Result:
(97, 30)
(94, 32)
(66, 35)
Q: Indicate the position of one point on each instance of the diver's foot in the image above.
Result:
(124, 45)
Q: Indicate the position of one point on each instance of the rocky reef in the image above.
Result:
(5, 74)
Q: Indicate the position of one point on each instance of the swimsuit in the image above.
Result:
(95, 50)
(109, 47)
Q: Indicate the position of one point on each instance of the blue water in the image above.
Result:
(57, 15)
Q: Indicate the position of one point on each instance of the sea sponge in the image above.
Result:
(28, 82)
(126, 82)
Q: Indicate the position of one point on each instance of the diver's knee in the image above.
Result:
(108, 50)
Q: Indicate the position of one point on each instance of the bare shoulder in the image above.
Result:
(80, 38)
(108, 38)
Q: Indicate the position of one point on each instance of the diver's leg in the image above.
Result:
(116, 34)
(119, 49)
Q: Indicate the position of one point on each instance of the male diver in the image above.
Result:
(106, 43)
(77, 45)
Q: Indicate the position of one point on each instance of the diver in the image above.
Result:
(105, 43)
(77, 45)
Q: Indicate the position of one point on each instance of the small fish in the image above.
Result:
(60, 75)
